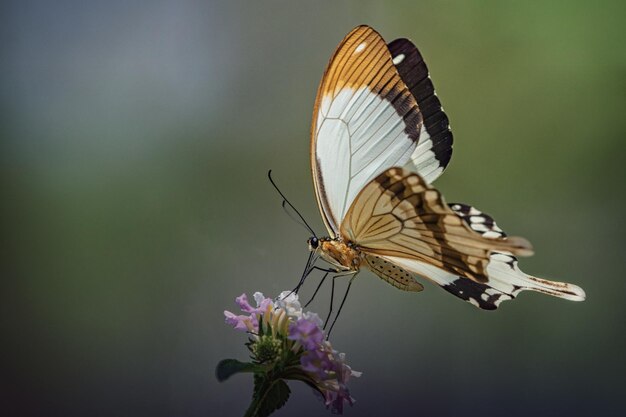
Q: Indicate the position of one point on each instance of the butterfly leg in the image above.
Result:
(307, 271)
(327, 271)
(317, 289)
(345, 296)
(332, 296)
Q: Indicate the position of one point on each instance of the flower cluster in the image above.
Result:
(291, 344)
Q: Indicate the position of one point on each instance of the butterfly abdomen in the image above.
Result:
(393, 274)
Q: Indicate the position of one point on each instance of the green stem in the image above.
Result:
(257, 400)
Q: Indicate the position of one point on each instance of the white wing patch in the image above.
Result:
(359, 135)
(423, 159)
(398, 59)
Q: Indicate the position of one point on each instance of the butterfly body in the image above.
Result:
(343, 255)
(379, 138)
(347, 258)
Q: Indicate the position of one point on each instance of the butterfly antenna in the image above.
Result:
(285, 200)
(291, 215)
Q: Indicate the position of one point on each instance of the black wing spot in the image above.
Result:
(467, 290)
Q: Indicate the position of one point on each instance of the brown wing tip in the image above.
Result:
(519, 246)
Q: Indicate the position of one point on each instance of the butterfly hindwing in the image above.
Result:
(504, 278)
(367, 120)
(477, 220)
(399, 214)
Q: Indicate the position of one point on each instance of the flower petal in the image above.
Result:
(242, 302)
(258, 297)
(288, 300)
(240, 322)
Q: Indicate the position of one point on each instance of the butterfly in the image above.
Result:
(379, 138)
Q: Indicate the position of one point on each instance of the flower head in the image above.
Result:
(291, 344)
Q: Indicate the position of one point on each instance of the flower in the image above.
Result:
(343, 373)
(242, 302)
(245, 323)
(248, 323)
(288, 301)
(318, 362)
(288, 344)
(333, 373)
(307, 332)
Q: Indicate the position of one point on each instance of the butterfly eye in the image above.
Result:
(313, 242)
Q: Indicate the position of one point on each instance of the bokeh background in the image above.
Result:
(136, 137)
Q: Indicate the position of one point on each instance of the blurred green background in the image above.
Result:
(136, 137)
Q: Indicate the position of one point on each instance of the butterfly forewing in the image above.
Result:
(367, 120)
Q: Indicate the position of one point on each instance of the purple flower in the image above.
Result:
(342, 373)
(307, 332)
(242, 302)
(317, 362)
(262, 303)
(336, 399)
(248, 323)
(241, 322)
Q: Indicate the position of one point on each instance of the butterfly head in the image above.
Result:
(314, 243)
